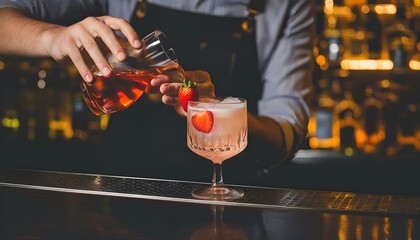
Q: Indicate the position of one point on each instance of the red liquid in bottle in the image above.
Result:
(118, 91)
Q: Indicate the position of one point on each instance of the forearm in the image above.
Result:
(267, 142)
(266, 130)
(22, 35)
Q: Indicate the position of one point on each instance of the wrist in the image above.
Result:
(46, 40)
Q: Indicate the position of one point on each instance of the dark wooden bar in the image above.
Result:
(54, 205)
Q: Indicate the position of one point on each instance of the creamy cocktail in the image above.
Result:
(217, 130)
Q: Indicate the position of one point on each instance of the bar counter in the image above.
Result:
(38, 204)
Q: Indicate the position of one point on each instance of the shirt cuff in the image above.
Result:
(288, 148)
(288, 135)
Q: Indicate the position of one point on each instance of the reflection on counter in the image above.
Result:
(46, 215)
(217, 229)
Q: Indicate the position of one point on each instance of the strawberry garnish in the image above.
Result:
(187, 92)
(203, 121)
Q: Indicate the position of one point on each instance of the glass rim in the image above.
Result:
(242, 101)
(165, 45)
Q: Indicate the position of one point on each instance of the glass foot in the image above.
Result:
(217, 193)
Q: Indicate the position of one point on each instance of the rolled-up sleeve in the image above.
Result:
(286, 64)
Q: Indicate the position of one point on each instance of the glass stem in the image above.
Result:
(217, 175)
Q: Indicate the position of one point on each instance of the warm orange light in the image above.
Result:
(343, 227)
(414, 64)
(321, 60)
(315, 143)
(375, 231)
(410, 229)
(103, 122)
(312, 125)
(328, 6)
(324, 66)
(343, 73)
(327, 143)
(366, 64)
(386, 227)
(341, 11)
(365, 9)
(332, 21)
(65, 126)
(385, 83)
(385, 9)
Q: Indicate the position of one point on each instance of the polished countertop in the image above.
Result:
(56, 205)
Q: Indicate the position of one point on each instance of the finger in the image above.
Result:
(125, 27)
(152, 89)
(107, 35)
(206, 89)
(170, 89)
(175, 75)
(95, 53)
(169, 100)
(203, 80)
(198, 76)
(159, 80)
(79, 63)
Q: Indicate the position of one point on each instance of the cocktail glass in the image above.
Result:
(217, 130)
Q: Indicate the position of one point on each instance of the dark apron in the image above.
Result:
(149, 138)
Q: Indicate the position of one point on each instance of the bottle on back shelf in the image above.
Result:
(357, 45)
(373, 27)
(347, 113)
(334, 48)
(371, 122)
(390, 114)
(399, 40)
(321, 122)
(409, 121)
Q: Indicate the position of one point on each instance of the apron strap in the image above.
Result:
(255, 7)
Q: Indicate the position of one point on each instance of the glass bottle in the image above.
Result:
(322, 119)
(27, 101)
(409, 119)
(347, 112)
(390, 114)
(372, 132)
(9, 115)
(373, 27)
(60, 110)
(356, 35)
(414, 62)
(399, 40)
(333, 36)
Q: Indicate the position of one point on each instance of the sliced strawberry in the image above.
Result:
(203, 121)
(187, 92)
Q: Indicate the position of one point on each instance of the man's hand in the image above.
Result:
(169, 86)
(63, 42)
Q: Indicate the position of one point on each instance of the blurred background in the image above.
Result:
(367, 56)
(365, 122)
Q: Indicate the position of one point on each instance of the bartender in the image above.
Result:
(255, 49)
